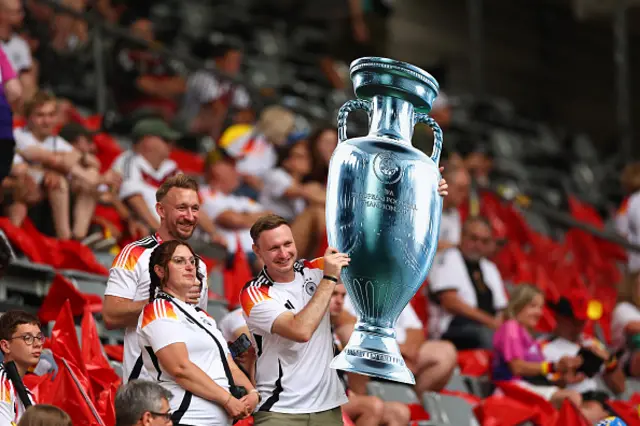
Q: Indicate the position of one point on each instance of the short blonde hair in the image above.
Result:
(276, 123)
(521, 296)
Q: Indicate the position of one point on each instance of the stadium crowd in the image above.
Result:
(550, 336)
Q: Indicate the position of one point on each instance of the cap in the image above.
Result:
(72, 131)
(217, 155)
(579, 306)
(154, 127)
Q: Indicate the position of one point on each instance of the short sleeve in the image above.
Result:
(21, 54)
(23, 139)
(232, 322)
(132, 183)
(447, 272)
(260, 310)
(214, 206)
(7, 403)
(508, 341)
(160, 325)
(123, 276)
(62, 145)
(408, 319)
(276, 183)
(625, 313)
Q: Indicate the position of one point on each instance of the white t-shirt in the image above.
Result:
(164, 322)
(633, 230)
(11, 407)
(451, 226)
(122, 162)
(140, 178)
(129, 278)
(407, 320)
(449, 272)
(25, 139)
(18, 53)
(216, 202)
(554, 348)
(292, 377)
(623, 314)
(232, 322)
(276, 183)
(256, 156)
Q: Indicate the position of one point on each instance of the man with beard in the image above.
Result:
(128, 286)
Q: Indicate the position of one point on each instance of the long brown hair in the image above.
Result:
(161, 256)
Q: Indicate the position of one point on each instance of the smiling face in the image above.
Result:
(532, 312)
(181, 270)
(277, 250)
(178, 212)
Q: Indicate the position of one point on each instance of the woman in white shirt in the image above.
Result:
(184, 350)
(283, 192)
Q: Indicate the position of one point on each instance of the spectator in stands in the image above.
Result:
(362, 408)
(630, 181)
(128, 285)
(15, 47)
(255, 147)
(209, 99)
(451, 224)
(283, 191)
(479, 163)
(322, 142)
(518, 357)
(286, 308)
(141, 78)
(466, 290)
(573, 310)
(625, 326)
(142, 403)
(45, 415)
(431, 361)
(21, 341)
(182, 342)
(60, 168)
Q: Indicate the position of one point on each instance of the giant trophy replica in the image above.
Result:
(383, 209)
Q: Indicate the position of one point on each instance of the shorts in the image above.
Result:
(323, 418)
(7, 151)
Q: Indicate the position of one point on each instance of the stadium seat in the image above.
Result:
(448, 410)
(389, 391)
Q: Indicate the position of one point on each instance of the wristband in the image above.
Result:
(330, 278)
(546, 368)
(611, 364)
(257, 393)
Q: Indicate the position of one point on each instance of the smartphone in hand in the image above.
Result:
(241, 345)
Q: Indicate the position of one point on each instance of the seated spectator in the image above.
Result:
(479, 163)
(21, 341)
(518, 357)
(20, 191)
(361, 408)
(15, 47)
(466, 290)
(142, 403)
(45, 415)
(625, 326)
(143, 79)
(451, 224)
(185, 351)
(283, 191)
(255, 147)
(431, 361)
(322, 143)
(573, 310)
(59, 167)
(208, 99)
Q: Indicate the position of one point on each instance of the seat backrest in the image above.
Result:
(449, 410)
(388, 391)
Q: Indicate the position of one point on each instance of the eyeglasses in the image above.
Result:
(181, 261)
(30, 338)
(166, 416)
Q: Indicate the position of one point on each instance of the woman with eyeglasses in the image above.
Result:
(183, 350)
(21, 342)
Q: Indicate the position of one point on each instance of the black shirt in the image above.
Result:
(484, 295)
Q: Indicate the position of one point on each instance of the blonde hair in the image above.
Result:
(520, 297)
(45, 415)
(276, 123)
(630, 177)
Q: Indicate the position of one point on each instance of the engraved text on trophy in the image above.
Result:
(388, 201)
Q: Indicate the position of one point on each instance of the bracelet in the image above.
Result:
(228, 399)
(257, 393)
(546, 368)
(330, 278)
(611, 364)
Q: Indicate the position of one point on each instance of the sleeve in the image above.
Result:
(241, 99)
(260, 310)
(6, 69)
(625, 313)
(231, 322)
(62, 145)
(7, 403)
(124, 276)
(205, 86)
(204, 295)
(214, 206)
(23, 140)
(132, 183)
(447, 272)
(276, 183)
(24, 61)
(160, 325)
(508, 341)
(409, 319)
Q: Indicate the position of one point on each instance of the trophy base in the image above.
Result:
(374, 355)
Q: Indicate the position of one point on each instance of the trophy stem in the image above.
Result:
(375, 355)
(392, 118)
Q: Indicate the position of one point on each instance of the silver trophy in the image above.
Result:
(383, 209)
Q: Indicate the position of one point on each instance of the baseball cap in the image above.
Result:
(154, 127)
(72, 130)
(578, 305)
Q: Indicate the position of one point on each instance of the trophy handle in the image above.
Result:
(437, 135)
(348, 107)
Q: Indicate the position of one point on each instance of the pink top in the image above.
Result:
(510, 342)
(6, 70)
